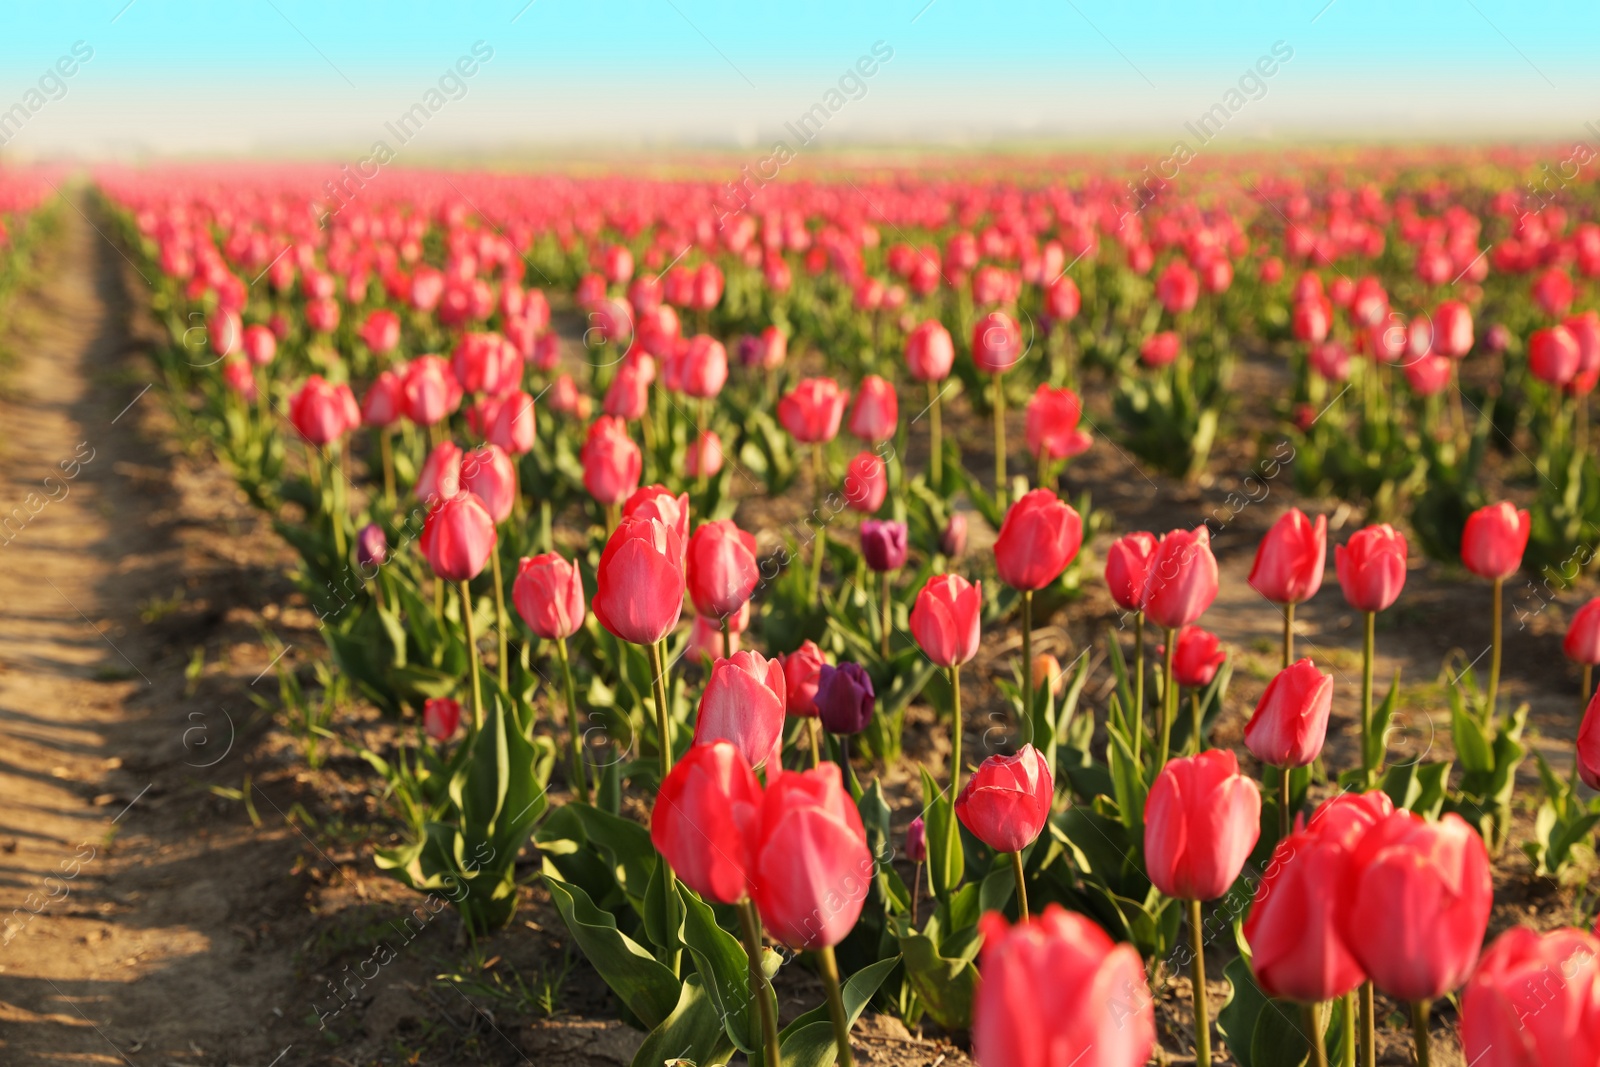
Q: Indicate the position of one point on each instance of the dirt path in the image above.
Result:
(114, 936)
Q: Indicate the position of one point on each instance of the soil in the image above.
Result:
(179, 887)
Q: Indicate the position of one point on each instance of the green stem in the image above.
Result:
(813, 728)
(1419, 1030)
(1494, 655)
(727, 639)
(1285, 801)
(1369, 1027)
(819, 544)
(1588, 683)
(1194, 711)
(472, 656)
(386, 446)
(1368, 647)
(1319, 1048)
(760, 988)
(936, 439)
(954, 840)
(502, 620)
(1288, 633)
(841, 1021)
(1022, 887)
(664, 742)
(1202, 1019)
(1027, 661)
(1167, 707)
(1138, 684)
(336, 476)
(580, 779)
(999, 443)
(888, 609)
(1347, 1053)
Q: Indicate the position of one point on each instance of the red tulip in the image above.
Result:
(1452, 329)
(1007, 799)
(929, 352)
(457, 537)
(440, 477)
(611, 461)
(945, 617)
(1297, 950)
(260, 346)
(1582, 643)
(1534, 1001)
(1372, 567)
(1585, 330)
(743, 702)
(1494, 539)
(1178, 288)
(639, 582)
(1588, 755)
(1417, 904)
(704, 458)
(441, 717)
(813, 869)
(628, 395)
(489, 473)
(1553, 292)
(1311, 319)
(722, 568)
(1062, 299)
(1330, 360)
(1196, 659)
(705, 820)
(381, 331)
(657, 502)
(1428, 374)
(1201, 820)
(707, 291)
(431, 391)
(1289, 561)
(1058, 992)
(323, 412)
(385, 400)
(866, 483)
(548, 594)
(876, 410)
(812, 409)
(1291, 719)
(236, 375)
(704, 369)
(1127, 568)
(513, 427)
(1181, 579)
(996, 343)
(802, 669)
(224, 332)
(1040, 536)
(1159, 349)
(1052, 424)
(1553, 355)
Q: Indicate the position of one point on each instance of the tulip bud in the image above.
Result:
(548, 594)
(1047, 670)
(917, 840)
(440, 477)
(704, 369)
(945, 619)
(639, 581)
(657, 502)
(844, 698)
(432, 393)
(1291, 719)
(259, 345)
(705, 818)
(1180, 579)
(802, 672)
(1553, 355)
(1005, 802)
(323, 412)
(811, 411)
(489, 473)
(743, 702)
(1058, 992)
(1582, 643)
(1494, 539)
(441, 716)
(883, 544)
(930, 353)
(1127, 568)
(1372, 567)
(385, 400)
(1534, 999)
(1588, 754)
(722, 568)
(1039, 537)
(813, 869)
(996, 343)
(866, 483)
(705, 456)
(611, 461)
(372, 547)
(1297, 951)
(1417, 904)
(1201, 821)
(876, 410)
(1196, 657)
(1290, 559)
(457, 537)
(1052, 424)
(953, 538)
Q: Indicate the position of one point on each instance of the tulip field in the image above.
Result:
(979, 612)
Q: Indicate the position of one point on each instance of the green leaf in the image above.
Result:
(808, 1041)
(721, 960)
(1472, 746)
(943, 985)
(692, 1032)
(1127, 779)
(1280, 1039)
(1237, 1019)
(1382, 716)
(663, 914)
(946, 864)
(650, 990)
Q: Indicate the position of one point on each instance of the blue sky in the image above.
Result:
(272, 75)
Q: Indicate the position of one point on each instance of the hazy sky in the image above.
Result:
(183, 76)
